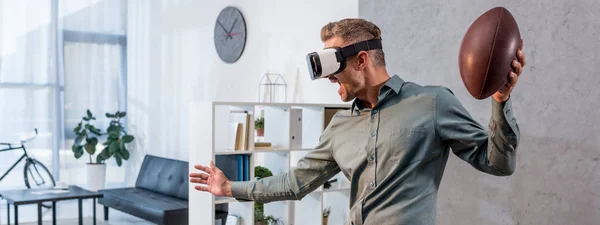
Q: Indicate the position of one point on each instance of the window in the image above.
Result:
(94, 61)
(28, 85)
(59, 58)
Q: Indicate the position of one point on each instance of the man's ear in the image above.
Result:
(362, 58)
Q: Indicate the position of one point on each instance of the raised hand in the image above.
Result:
(212, 180)
(504, 93)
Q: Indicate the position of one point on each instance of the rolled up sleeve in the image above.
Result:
(492, 151)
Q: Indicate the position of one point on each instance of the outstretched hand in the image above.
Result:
(504, 93)
(212, 180)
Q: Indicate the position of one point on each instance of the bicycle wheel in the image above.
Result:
(36, 176)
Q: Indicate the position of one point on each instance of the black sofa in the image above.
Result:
(160, 194)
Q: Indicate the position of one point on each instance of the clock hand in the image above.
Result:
(232, 25)
(233, 34)
(222, 27)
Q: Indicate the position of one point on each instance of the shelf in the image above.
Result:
(292, 129)
(282, 104)
(221, 200)
(246, 152)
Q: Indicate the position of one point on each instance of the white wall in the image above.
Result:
(172, 61)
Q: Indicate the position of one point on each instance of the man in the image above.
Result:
(392, 145)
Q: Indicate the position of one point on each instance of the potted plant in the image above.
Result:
(326, 212)
(86, 140)
(259, 125)
(266, 220)
(259, 216)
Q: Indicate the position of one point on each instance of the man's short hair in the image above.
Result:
(354, 30)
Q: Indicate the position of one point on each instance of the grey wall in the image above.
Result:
(557, 180)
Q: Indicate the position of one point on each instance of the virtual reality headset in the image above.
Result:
(331, 61)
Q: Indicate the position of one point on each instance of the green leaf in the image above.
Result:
(114, 146)
(95, 131)
(78, 139)
(77, 128)
(74, 148)
(119, 162)
(79, 152)
(127, 138)
(86, 119)
(90, 149)
(122, 114)
(89, 114)
(110, 128)
(99, 158)
(114, 134)
(93, 118)
(93, 141)
(104, 155)
(108, 115)
(125, 153)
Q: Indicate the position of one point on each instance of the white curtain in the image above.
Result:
(27, 84)
(94, 54)
(28, 89)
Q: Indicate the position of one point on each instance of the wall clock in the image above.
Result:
(230, 34)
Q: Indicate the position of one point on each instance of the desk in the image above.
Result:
(39, 196)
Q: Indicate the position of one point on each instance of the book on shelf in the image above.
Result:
(235, 167)
(263, 146)
(239, 130)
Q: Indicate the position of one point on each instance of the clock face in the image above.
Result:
(230, 34)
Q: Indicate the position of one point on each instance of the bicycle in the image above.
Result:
(31, 165)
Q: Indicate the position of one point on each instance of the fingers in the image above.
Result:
(199, 181)
(212, 165)
(203, 168)
(521, 55)
(199, 175)
(201, 188)
(517, 66)
(512, 79)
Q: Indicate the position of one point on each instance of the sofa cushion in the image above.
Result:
(152, 206)
(166, 176)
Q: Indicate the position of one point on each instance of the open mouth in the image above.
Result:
(333, 79)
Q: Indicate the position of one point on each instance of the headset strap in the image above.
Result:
(355, 48)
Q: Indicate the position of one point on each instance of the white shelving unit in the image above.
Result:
(293, 130)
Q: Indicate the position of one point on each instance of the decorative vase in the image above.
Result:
(260, 132)
(96, 176)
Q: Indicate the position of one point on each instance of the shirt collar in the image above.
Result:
(393, 84)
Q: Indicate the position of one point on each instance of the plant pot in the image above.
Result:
(96, 176)
(260, 132)
(259, 222)
(324, 220)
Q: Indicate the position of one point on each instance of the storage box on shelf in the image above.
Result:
(225, 132)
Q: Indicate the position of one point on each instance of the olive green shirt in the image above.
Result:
(395, 153)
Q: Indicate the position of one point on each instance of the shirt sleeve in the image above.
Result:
(313, 170)
(492, 151)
